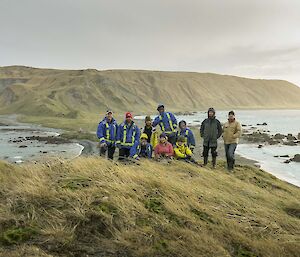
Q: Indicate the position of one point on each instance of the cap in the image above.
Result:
(128, 115)
(147, 118)
(160, 106)
(181, 139)
(144, 136)
(109, 111)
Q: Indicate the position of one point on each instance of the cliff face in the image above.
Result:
(59, 92)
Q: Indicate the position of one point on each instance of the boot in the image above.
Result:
(214, 162)
(227, 162)
(230, 165)
(205, 161)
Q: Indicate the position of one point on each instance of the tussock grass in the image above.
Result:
(93, 207)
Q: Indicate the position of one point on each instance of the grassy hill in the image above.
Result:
(93, 207)
(65, 97)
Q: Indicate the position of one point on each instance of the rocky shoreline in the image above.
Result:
(264, 138)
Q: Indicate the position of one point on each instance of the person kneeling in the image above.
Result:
(182, 151)
(164, 149)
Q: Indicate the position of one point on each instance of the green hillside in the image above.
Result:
(49, 95)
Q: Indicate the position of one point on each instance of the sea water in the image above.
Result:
(34, 150)
(278, 121)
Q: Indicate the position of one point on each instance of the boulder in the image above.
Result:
(299, 136)
(296, 158)
(290, 143)
(290, 137)
(279, 136)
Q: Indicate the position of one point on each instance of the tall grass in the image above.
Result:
(94, 207)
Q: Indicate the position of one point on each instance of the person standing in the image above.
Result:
(232, 131)
(107, 134)
(210, 131)
(187, 134)
(167, 123)
(128, 138)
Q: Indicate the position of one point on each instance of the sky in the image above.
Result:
(251, 38)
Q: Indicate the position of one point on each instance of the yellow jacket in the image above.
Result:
(232, 131)
(154, 139)
(182, 151)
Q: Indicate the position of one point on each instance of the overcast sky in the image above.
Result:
(253, 38)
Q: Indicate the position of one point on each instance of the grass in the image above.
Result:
(94, 207)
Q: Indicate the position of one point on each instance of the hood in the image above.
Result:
(213, 110)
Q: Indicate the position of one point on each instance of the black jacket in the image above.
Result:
(210, 131)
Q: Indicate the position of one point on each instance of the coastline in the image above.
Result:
(89, 147)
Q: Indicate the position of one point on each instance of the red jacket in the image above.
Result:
(166, 149)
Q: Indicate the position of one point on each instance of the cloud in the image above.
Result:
(248, 38)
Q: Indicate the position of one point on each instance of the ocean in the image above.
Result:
(278, 121)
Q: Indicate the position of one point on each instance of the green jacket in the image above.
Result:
(210, 131)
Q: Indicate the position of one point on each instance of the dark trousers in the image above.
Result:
(110, 149)
(229, 151)
(123, 153)
(214, 154)
(213, 151)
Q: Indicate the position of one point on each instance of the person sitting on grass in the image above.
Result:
(164, 149)
(188, 134)
(181, 150)
(144, 149)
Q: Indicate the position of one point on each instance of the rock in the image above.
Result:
(290, 137)
(244, 125)
(284, 156)
(290, 143)
(287, 161)
(260, 146)
(279, 136)
(262, 124)
(265, 124)
(296, 158)
(298, 136)
(271, 141)
(23, 146)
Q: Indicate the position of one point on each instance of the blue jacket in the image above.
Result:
(188, 134)
(146, 152)
(128, 136)
(107, 132)
(166, 121)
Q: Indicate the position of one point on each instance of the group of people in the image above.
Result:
(136, 143)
